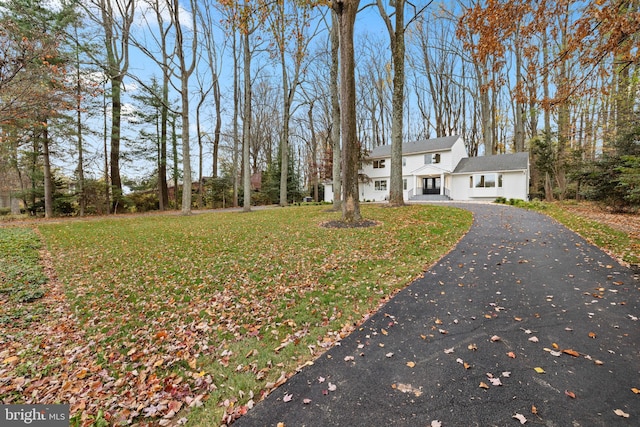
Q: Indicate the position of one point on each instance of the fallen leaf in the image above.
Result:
(534, 410)
(466, 365)
(306, 401)
(348, 358)
(332, 387)
(635, 390)
(518, 319)
(570, 394)
(384, 332)
(280, 425)
(460, 361)
(10, 360)
(495, 338)
(621, 413)
(554, 345)
(321, 379)
(438, 322)
(448, 350)
(539, 370)
(555, 353)
(520, 418)
(511, 354)
(436, 423)
(598, 362)
(592, 335)
(390, 354)
(495, 381)
(483, 385)
(407, 388)
(411, 364)
(506, 374)
(287, 397)
(571, 352)
(443, 331)
(533, 339)
(472, 347)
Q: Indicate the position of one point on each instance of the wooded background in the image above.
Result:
(110, 105)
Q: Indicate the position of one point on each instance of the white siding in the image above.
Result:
(514, 186)
(328, 192)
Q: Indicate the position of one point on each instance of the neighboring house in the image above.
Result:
(440, 169)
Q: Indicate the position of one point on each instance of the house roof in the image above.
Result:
(500, 162)
(422, 146)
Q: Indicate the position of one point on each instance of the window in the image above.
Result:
(378, 164)
(404, 161)
(380, 185)
(431, 158)
(485, 181)
(404, 183)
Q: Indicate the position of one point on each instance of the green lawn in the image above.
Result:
(167, 312)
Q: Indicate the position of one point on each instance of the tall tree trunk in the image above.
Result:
(236, 110)
(162, 164)
(314, 155)
(116, 118)
(396, 36)
(216, 133)
(246, 126)
(200, 153)
(48, 179)
(485, 109)
(284, 138)
(335, 111)
(347, 10)
(107, 187)
(82, 200)
(185, 73)
(174, 147)
(519, 133)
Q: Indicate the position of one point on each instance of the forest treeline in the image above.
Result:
(112, 105)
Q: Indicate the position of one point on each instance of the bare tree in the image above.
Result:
(115, 18)
(185, 67)
(288, 23)
(335, 111)
(163, 60)
(397, 40)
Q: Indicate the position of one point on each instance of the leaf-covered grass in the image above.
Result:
(172, 311)
(21, 274)
(622, 245)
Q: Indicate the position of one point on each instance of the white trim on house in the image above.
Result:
(448, 178)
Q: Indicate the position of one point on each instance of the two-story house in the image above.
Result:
(440, 169)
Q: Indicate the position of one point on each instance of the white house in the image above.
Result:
(440, 169)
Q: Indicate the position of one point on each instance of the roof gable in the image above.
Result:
(422, 146)
(494, 163)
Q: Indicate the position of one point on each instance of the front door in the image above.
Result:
(431, 185)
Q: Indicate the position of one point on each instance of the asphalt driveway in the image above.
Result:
(522, 319)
